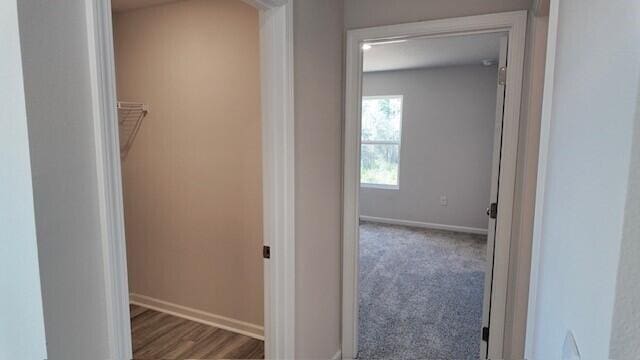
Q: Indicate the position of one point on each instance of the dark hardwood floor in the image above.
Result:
(158, 336)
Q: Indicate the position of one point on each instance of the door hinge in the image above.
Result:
(266, 252)
(492, 210)
(502, 75)
(485, 334)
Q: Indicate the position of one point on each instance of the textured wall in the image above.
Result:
(448, 121)
(192, 180)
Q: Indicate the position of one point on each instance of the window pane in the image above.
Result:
(379, 164)
(381, 119)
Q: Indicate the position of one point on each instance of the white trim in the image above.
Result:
(385, 142)
(337, 355)
(103, 93)
(545, 127)
(426, 225)
(276, 41)
(380, 142)
(377, 97)
(515, 24)
(379, 186)
(265, 4)
(276, 54)
(203, 317)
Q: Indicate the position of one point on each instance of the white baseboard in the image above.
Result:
(337, 356)
(222, 322)
(463, 229)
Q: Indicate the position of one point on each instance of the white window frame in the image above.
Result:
(384, 142)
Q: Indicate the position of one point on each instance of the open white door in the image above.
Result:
(492, 209)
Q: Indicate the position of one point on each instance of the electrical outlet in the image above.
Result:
(443, 200)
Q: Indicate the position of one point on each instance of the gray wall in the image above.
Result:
(448, 120)
(594, 105)
(318, 30)
(54, 43)
(21, 320)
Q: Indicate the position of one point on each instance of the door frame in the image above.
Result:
(276, 65)
(513, 23)
(552, 9)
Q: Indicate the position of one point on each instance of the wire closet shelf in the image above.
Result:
(130, 115)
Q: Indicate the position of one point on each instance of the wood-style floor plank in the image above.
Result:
(156, 335)
(137, 310)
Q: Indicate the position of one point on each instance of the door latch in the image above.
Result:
(266, 252)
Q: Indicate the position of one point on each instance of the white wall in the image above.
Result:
(448, 120)
(21, 320)
(597, 69)
(625, 335)
(53, 36)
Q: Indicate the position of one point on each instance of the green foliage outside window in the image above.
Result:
(381, 134)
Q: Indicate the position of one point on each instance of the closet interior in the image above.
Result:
(188, 85)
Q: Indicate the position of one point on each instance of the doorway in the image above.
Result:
(192, 190)
(276, 163)
(426, 146)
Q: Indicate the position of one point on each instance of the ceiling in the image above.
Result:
(124, 5)
(432, 52)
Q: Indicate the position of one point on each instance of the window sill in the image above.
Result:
(380, 186)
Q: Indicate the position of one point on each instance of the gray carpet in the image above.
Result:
(420, 293)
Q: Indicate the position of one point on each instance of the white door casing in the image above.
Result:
(512, 23)
(276, 45)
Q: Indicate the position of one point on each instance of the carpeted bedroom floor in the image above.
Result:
(420, 293)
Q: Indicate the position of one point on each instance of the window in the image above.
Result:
(380, 139)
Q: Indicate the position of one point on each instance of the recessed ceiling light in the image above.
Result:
(366, 47)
